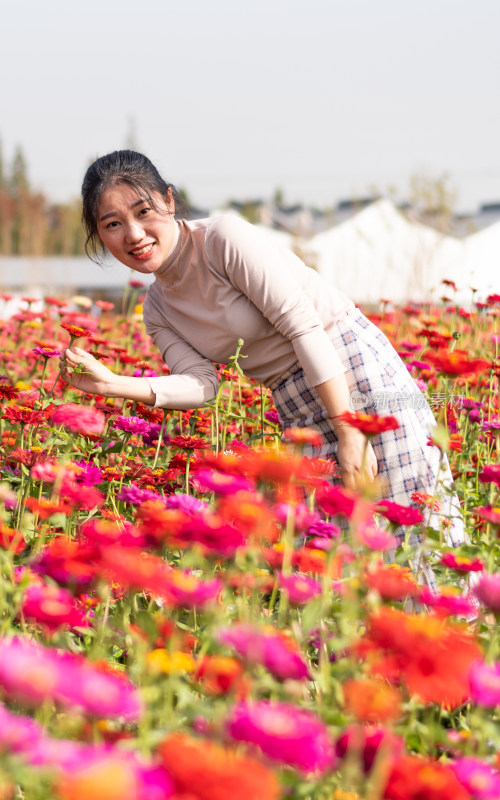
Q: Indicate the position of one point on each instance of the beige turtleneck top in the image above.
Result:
(223, 281)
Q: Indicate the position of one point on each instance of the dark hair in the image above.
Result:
(121, 166)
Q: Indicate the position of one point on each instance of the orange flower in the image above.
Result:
(372, 700)
(392, 582)
(107, 779)
(207, 771)
(221, 675)
(414, 778)
(419, 650)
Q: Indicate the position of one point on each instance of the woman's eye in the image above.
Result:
(111, 224)
(144, 211)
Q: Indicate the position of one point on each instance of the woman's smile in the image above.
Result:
(137, 232)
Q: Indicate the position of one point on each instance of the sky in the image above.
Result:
(325, 99)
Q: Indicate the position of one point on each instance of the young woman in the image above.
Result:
(218, 280)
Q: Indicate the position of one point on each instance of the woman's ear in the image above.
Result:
(170, 201)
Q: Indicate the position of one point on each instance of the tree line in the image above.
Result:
(31, 225)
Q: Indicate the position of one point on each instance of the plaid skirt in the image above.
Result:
(379, 382)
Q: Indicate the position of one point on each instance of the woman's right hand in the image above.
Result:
(357, 460)
(81, 370)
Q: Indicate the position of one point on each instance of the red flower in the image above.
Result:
(414, 778)
(76, 332)
(336, 500)
(303, 436)
(79, 418)
(392, 582)
(23, 415)
(397, 514)
(370, 424)
(457, 362)
(188, 443)
(7, 391)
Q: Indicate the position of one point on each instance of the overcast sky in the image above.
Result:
(323, 98)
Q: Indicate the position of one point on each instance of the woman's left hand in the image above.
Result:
(355, 464)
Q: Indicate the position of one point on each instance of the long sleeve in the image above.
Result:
(193, 379)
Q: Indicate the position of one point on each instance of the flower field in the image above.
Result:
(192, 609)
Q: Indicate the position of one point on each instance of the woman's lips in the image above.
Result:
(143, 252)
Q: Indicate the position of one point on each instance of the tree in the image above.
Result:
(434, 199)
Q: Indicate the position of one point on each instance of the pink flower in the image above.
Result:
(487, 590)
(485, 684)
(284, 733)
(490, 473)
(222, 483)
(212, 533)
(300, 514)
(53, 607)
(134, 425)
(32, 674)
(398, 514)
(457, 604)
(17, 733)
(185, 590)
(375, 538)
(462, 563)
(79, 418)
(364, 741)
(478, 778)
(336, 500)
(299, 588)
(265, 646)
(46, 352)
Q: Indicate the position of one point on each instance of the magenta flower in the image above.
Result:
(32, 674)
(79, 418)
(135, 495)
(46, 352)
(17, 733)
(257, 645)
(457, 604)
(284, 733)
(272, 417)
(87, 474)
(491, 425)
(487, 590)
(188, 504)
(185, 590)
(299, 588)
(364, 741)
(302, 517)
(490, 474)
(213, 534)
(375, 538)
(53, 607)
(222, 483)
(478, 778)
(135, 425)
(485, 684)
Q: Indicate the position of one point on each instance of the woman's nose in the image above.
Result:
(134, 232)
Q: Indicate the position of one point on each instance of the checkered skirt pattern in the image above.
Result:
(380, 383)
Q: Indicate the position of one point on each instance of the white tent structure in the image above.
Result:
(479, 265)
(378, 254)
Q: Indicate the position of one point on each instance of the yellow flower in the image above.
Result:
(161, 661)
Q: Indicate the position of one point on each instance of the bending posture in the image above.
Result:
(218, 280)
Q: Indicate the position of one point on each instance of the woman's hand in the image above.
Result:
(350, 455)
(84, 372)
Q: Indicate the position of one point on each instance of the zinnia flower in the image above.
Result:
(480, 779)
(134, 425)
(222, 483)
(53, 607)
(462, 563)
(299, 588)
(490, 474)
(265, 646)
(32, 674)
(457, 362)
(398, 514)
(414, 778)
(485, 684)
(284, 733)
(79, 418)
(487, 590)
(207, 771)
(370, 424)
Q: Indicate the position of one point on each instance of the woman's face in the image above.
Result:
(135, 233)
